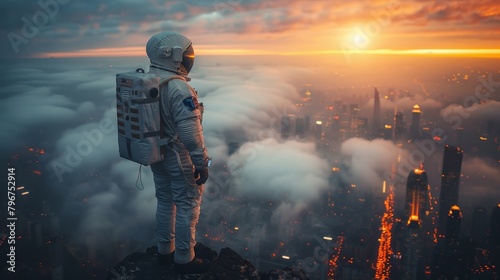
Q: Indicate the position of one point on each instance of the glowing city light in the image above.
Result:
(434, 213)
(383, 267)
(332, 263)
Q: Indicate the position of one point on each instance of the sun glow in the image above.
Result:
(209, 50)
(358, 39)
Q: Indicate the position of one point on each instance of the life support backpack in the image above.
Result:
(140, 123)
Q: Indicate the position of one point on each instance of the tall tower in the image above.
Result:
(453, 224)
(286, 126)
(415, 123)
(300, 127)
(416, 206)
(478, 227)
(450, 180)
(495, 239)
(353, 117)
(495, 232)
(399, 126)
(376, 114)
(453, 258)
(416, 202)
(411, 257)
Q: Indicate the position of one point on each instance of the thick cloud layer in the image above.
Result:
(368, 163)
(97, 190)
(244, 104)
(457, 114)
(290, 173)
(66, 107)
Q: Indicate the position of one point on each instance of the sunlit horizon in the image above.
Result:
(207, 51)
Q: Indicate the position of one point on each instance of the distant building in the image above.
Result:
(453, 223)
(478, 228)
(399, 126)
(417, 197)
(317, 130)
(495, 228)
(411, 256)
(415, 123)
(454, 257)
(336, 128)
(416, 210)
(307, 123)
(376, 114)
(286, 127)
(300, 127)
(450, 179)
(495, 238)
(353, 117)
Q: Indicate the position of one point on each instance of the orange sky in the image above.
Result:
(239, 27)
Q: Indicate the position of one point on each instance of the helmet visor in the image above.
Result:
(188, 58)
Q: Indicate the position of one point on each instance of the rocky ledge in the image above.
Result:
(227, 265)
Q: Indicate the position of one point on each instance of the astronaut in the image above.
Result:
(179, 178)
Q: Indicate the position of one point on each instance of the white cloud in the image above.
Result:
(268, 169)
(366, 162)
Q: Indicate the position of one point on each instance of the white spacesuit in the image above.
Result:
(179, 178)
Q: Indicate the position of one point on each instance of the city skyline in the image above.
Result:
(329, 132)
(342, 134)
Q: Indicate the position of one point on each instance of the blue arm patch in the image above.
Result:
(191, 103)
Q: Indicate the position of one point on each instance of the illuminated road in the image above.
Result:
(332, 263)
(383, 268)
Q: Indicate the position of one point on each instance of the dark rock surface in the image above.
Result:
(228, 265)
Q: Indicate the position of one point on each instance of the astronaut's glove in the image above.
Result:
(201, 175)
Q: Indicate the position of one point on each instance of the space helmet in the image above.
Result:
(171, 51)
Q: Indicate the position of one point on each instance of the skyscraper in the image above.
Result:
(453, 258)
(286, 126)
(495, 227)
(399, 126)
(416, 209)
(300, 127)
(450, 179)
(376, 114)
(478, 227)
(353, 117)
(495, 238)
(415, 123)
(412, 252)
(453, 223)
(416, 202)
